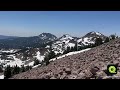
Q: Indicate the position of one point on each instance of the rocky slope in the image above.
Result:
(86, 65)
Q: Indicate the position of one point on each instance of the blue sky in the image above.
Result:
(75, 23)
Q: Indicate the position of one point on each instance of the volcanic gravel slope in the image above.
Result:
(90, 64)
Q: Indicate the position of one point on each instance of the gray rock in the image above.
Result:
(81, 75)
(72, 76)
(100, 74)
(68, 71)
(53, 78)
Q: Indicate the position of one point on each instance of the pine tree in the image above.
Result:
(36, 62)
(75, 47)
(1, 70)
(112, 37)
(117, 37)
(65, 52)
(72, 49)
(46, 60)
(51, 54)
(28, 68)
(58, 54)
(16, 70)
(107, 40)
(7, 72)
(68, 49)
(98, 41)
(79, 48)
(22, 68)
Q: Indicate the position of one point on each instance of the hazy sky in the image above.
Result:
(75, 23)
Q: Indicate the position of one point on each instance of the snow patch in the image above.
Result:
(1, 76)
(71, 53)
(71, 44)
(47, 46)
(17, 62)
(36, 66)
(39, 57)
(31, 63)
(98, 33)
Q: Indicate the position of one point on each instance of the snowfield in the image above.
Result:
(9, 51)
(36, 66)
(16, 61)
(86, 41)
(19, 62)
(60, 45)
(70, 45)
(39, 57)
(71, 53)
(66, 37)
(1, 76)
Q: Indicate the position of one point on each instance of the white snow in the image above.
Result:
(31, 63)
(36, 66)
(86, 41)
(98, 33)
(56, 52)
(66, 37)
(47, 46)
(71, 44)
(9, 51)
(17, 62)
(43, 37)
(71, 53)
(64, 42)
(39, 57)
(1, 76)
(79, 40)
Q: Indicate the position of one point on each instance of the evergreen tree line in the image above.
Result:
(1, 68)
(10, 71)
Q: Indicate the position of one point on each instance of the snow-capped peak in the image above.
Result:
(94, 32)
(66, 36)
(48, 36)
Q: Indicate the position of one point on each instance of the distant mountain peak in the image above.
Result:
(47, 36)
(66, 36)
(93, 33)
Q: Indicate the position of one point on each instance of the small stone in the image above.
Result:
(115, 55)
(72, 76)
(63, 76)
(100, 74)
(52, 78)
(81, 75)
(94, 70)
(75, 72)
(68, 71)
(61, 73)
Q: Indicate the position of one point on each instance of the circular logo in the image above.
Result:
(112, 69)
